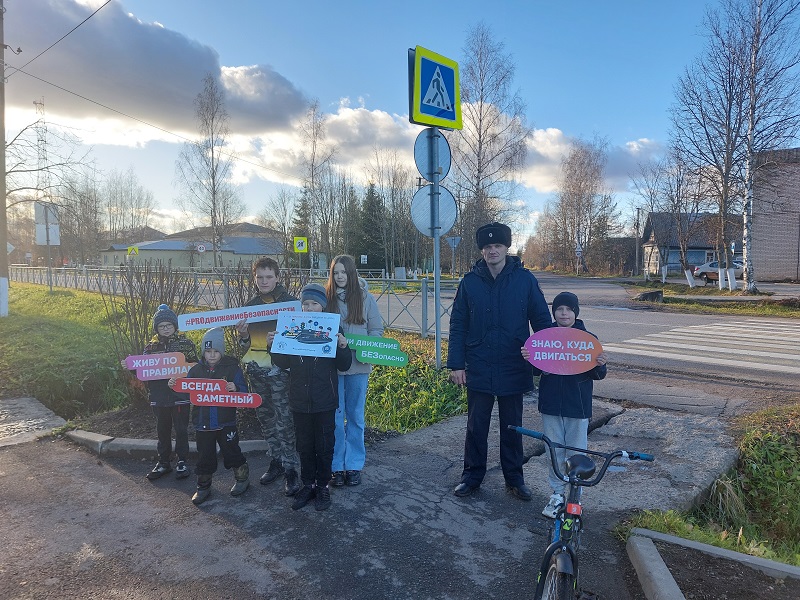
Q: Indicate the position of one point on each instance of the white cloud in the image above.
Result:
(140, 69)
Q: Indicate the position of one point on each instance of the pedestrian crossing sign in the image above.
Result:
(301, 244)
(434, 89)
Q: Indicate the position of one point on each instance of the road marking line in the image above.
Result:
(705, 360)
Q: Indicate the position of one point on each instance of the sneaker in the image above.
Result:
(352, 477)
(275, 470)
(159, 470)
(337, 479)
(303, 497)
(291, 484)
(181, 470)
(555, 503)
(322, 501)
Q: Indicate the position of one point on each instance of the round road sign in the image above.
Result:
(422, 149)
(421, 210)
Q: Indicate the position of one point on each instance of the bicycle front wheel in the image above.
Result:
(558, 586)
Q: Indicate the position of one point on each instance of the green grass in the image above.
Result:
(753, 509)
(56, 347)
(764, 307)
(408, 398)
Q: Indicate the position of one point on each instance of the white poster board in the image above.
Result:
(306, 334)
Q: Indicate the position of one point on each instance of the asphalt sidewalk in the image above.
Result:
(691, 448)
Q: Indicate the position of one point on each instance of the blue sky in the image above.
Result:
(584, 68)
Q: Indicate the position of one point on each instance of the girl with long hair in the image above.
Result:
(349, 295)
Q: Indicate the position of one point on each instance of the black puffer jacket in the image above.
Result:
(314, 381)
(569, 395)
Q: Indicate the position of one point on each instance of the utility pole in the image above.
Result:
(3, 214)
(636, 244)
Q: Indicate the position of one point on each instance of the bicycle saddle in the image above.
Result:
(581, 466)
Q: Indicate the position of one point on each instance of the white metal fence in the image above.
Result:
(406, 304)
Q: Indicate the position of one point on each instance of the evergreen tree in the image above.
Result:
(302, 227)
(372, 240)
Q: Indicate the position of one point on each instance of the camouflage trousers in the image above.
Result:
(274, 415)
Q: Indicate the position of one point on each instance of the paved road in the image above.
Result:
(76, 526)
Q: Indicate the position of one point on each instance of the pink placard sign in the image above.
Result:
(563, 350)
(149, 367)
(214, 392)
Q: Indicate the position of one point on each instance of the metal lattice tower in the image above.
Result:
(42, 174)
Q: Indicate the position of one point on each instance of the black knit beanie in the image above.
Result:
(566, 299)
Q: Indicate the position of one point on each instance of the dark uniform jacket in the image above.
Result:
(490, 321)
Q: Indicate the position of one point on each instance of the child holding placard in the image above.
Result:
(565, 401)
(216, 425)
(170, 409)
(313, 398)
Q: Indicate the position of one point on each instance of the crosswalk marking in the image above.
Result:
(753, 343)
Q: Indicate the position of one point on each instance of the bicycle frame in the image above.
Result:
(565, 533)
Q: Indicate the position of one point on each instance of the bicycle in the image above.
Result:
(558, 573)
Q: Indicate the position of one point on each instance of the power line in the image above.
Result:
(167, 131)
(57, 41)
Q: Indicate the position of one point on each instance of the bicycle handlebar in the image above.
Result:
(607, 456)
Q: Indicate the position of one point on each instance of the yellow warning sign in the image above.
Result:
(133, 250)
(301, 244)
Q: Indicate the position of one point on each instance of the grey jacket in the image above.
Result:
(373, 323)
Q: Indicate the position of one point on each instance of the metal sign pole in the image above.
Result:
(47, 237)
(433, 145)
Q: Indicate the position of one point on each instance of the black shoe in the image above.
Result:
(291, 485)
(322, 501)
(465, 489)
(352, 477)
(161, 469)
(182, 470)
(522, 491)
(275, 470)
(303, 497)
(337, 479)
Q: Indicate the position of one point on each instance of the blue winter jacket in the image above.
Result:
(569, 395)
(211, 418)
(490, 321)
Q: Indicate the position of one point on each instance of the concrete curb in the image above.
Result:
(772, 568)
(654, 576)
(105, 446)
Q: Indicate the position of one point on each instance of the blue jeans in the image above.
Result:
(349, 452)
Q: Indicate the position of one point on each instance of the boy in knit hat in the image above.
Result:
(170, 409)
(313, 399)
(216, 425)
(565, 401)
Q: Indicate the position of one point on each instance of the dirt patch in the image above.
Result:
(701, 576)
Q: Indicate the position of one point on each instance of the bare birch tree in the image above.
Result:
(129, 206)
(772, 55)
(490, 150)
(204, 167)
(317, 163)
(277, 215)
(708, 119)
(394, 184)
(585, 210)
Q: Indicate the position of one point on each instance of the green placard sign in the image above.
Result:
(377, 350)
